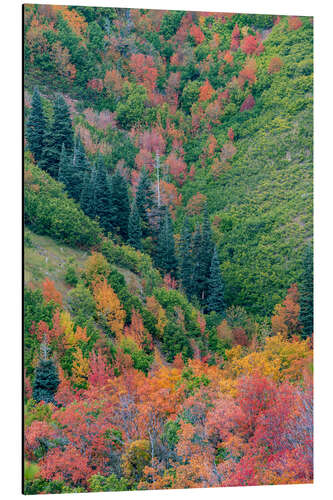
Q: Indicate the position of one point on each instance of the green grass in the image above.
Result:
(46, 258)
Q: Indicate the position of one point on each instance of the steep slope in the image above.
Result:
(263, 204)
(168, 190)
(181, 90)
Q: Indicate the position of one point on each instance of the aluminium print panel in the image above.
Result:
(168, 268)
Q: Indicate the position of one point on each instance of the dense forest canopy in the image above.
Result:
(168, 249)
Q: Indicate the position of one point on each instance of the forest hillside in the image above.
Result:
(168, 249)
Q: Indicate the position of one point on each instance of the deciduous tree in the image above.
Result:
(109, 307)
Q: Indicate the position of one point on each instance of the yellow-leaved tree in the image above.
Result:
(157, 310)
(109, 307)
(80, 368)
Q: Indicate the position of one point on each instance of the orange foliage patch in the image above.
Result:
(50, 292)
(206, 91)
(294, 23)
(197, 34)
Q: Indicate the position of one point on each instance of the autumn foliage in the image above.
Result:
(156, 387)
(50, 292)
(197, 34)
(248, 103)
(249, 44)
(248, 419)
(206, 91)
(285, 319)
(275, 65)
(144, 70)
(109, 306)
(294, 23)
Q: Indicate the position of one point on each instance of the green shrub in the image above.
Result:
(71, 277)
(48, 211)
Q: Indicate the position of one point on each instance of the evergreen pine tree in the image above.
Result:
(102, 198)
(81, 157)
(186, 260)
(165, 253)
(196, 254)
(91, 207)
(65, 167)
(204, 259)
(79, 168)
(215, 292)
(144, 200)
(46, 381)
(202, 253)
(61, 132)
(50, 158)
(120, 208)
(36, 126)
(85, 198)
(134, 228)
(62, 125)
(306, 293)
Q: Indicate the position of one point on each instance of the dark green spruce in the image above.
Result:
(80, 168)
(120, 208)
(86, 194)
(102, 197)
(134, 228)
(46, 381)
(215, 292)
(65, 168)
(61, 132)
(36, 126)
(165, 253)
(144, 200)
(306, 293)
(91, 206)
(186, 260)
(203, 248)
(195, 250)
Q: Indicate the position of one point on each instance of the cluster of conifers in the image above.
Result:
(106, 197)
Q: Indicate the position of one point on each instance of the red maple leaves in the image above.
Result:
(144, 70)
(197, 34)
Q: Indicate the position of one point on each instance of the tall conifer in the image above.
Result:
(120, 208)
(205, 258)
(62, 125)
(215, 292)
(80, 166)
(65, 168)
(85, 198)
(165, 254)
(196, 255)
(102, 196)
(36, 126)
(144, 200)
(91, 207)
(61, 132)
(186, 260)
(306, 293)
(134, 228)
